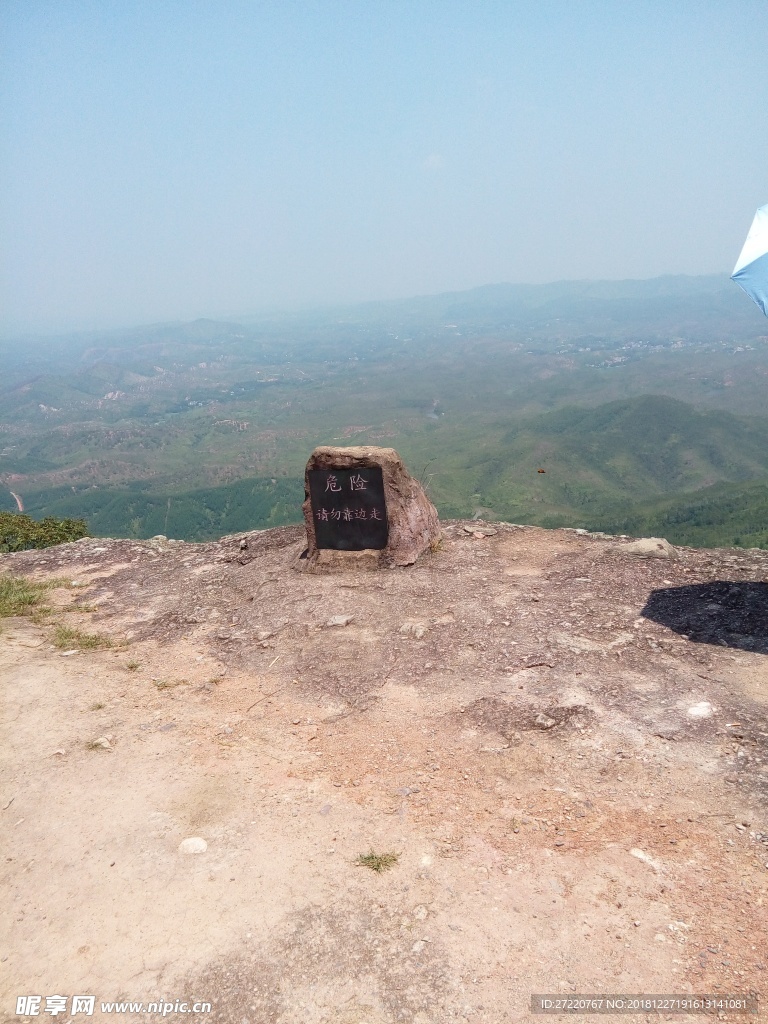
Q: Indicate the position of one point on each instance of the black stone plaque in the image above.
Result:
(348, 508)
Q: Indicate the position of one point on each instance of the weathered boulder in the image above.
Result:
(363, 507)
(648, 547)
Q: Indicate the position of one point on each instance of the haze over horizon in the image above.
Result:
(166, 162)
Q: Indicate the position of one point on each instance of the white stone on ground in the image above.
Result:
(701, 710)
(193, 845)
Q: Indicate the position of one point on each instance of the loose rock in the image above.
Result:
(193, 845)
(340, 620)
(648, 547)
(544, 721)
(416, 629)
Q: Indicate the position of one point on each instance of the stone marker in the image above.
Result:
(363, 507)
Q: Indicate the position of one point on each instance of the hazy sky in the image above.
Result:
(172, 159)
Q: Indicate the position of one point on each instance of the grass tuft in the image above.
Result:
(168, 684)
(66, 637)
(19, 596)
(377, 862)
(133, 666)
(40, 613)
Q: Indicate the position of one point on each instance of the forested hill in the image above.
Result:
(647, 465)
(644, 402)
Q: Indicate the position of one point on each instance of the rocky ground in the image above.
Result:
(563, 737)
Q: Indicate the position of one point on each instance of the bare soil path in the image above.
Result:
(566, 744)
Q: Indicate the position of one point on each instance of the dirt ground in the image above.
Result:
(565, 743)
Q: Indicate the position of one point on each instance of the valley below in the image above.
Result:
(629, 407)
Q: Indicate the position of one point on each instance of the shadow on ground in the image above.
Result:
(724, 613)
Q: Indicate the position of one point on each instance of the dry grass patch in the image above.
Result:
(69, 638)
(168, 684)
(377, 862)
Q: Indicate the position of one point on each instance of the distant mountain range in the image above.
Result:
(644, 402)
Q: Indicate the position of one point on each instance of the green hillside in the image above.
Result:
(206, 514)
(636, 398)
(646, 465)
(721, 516)
(633, 449)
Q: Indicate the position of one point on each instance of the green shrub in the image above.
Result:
(19, 532)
